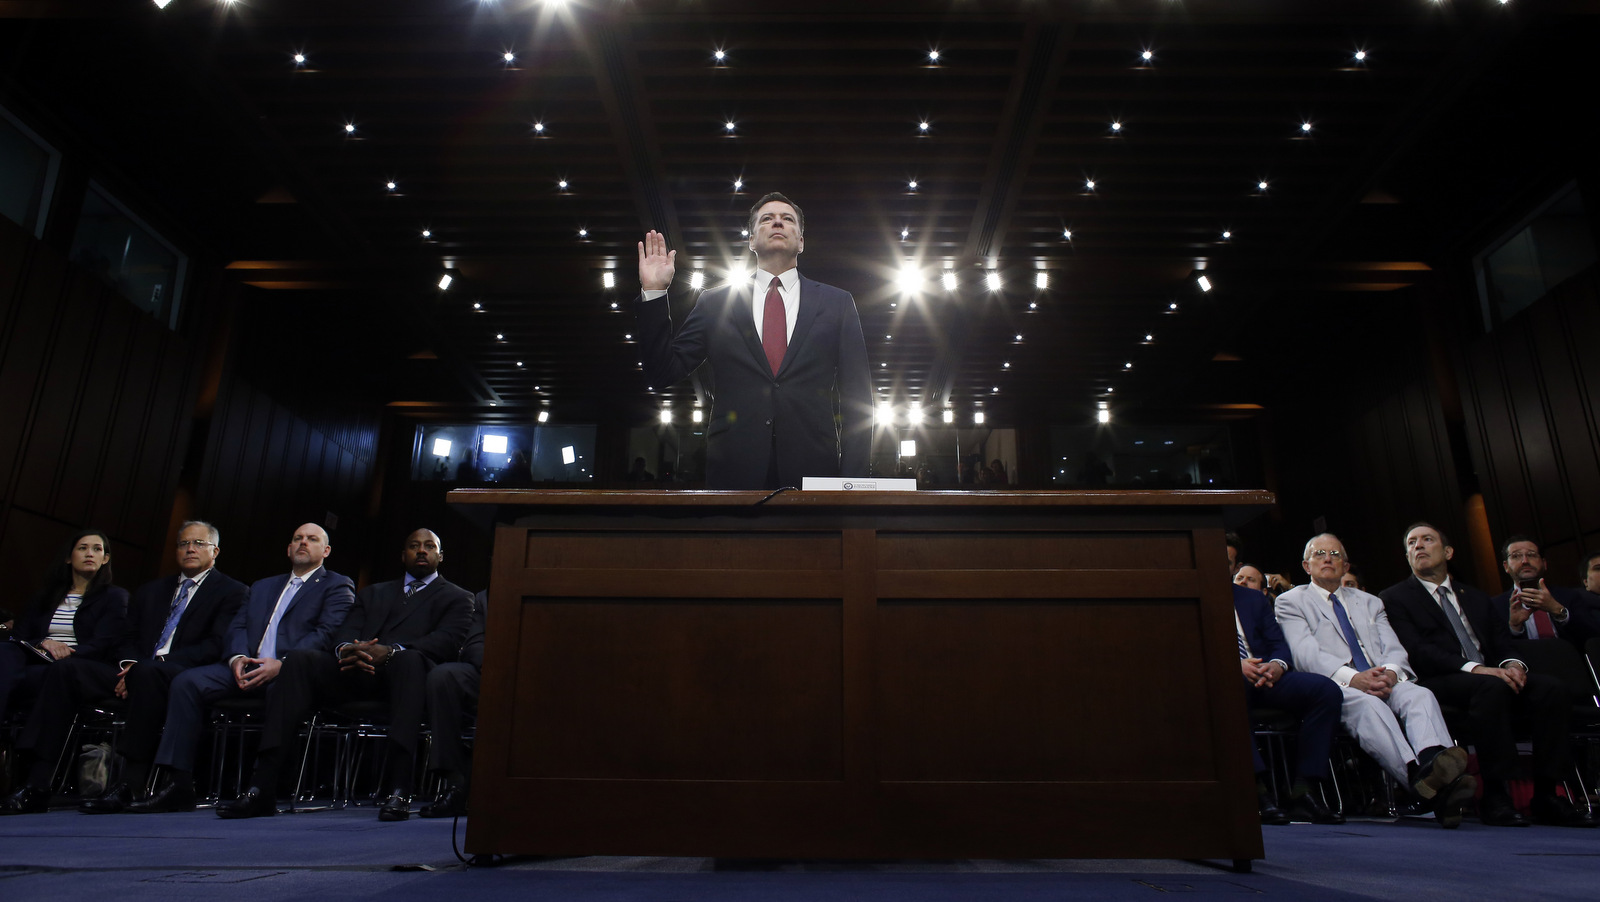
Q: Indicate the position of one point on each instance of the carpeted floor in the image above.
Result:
(66, 856)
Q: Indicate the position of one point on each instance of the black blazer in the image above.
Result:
(1583, 621)
(1427, 636)
(818, 408)
(434, 621)
(98, 624)
(472, 649)
(203, 628)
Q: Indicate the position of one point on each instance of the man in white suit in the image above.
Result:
(1344, 634)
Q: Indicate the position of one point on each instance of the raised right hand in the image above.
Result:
(655, 262)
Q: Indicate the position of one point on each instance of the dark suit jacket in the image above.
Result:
(818, 408)
(202, 629)
(317, 610)
(432, 621)
(472, 649)
(1583, 621)
(1431, 643)
(1261, 630)
(98, 624)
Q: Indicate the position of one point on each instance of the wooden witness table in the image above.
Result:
(863, 675)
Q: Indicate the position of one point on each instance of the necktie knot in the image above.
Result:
(188, 584)
(296, 582)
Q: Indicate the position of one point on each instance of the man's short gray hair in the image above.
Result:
(216, 537)
(1306, 554)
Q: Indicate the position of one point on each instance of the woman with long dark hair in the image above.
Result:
(78, 612)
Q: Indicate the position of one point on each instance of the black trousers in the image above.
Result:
(452, 694)
(66, 686)
(1494, 712)
(311, 679)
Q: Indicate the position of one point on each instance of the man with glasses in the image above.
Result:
(1344, 634)
(1535, 610)
(174, 623)
(1463, 654)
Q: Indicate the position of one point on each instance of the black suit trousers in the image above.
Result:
(148, 686)
(311, 679)
(1494, 712)
(452, 693)
(67, 685)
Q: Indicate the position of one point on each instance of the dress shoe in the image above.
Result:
(397, 807)
(452, 802)
(255, 802)
(1310, 808)
(1558, 812)
(170, 797)
(1440, 772)
(1447, 804)
(27, 800)
(114, 801)
(1499, 812)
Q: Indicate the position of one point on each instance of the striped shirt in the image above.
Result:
(61, 621)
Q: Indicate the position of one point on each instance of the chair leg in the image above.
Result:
(58, 775)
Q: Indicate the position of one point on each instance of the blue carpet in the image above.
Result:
(65, 856)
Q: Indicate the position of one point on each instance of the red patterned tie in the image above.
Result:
(1544, 625)
(774, 327)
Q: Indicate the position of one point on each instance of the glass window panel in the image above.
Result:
(1551, 247)
(26, 176)
(115, 245)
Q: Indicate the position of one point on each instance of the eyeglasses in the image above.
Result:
(1517, 556)
(1319, 554)
(197, 544)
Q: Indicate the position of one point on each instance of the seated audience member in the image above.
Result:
(413, 623)
(1343, 634)
(1264, 663)
(1352, 578)
(78, 616)
(1535, 610)
(294, 611)
(174, 623)
(1590, 573)
(1249, 576)
(1451, 633)
(452, 695)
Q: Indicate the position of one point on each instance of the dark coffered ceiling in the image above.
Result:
(203, 111)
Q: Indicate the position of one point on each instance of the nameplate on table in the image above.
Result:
(839, 484)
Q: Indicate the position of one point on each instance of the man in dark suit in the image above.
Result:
(413, 624)
(794, 391)
(1264, 662)
(174, 623)
(1535, 610)
(290, 612)
(452, 694)
(1452, 635)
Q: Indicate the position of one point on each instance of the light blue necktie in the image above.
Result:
(269, 641)
(179, 604)
(1469, 648)
(1357, 659)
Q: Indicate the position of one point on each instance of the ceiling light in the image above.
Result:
(538, 128)
(908, 447)
(933, 56)
(923, 125)
(1006, 365)
(509, 57)
(1088, 184)
(977, 418)
(885, 414)
(390, 185)
(728, 125)
(1149, 336)
(444, 281)
(666, 416)
(738, 184)
(1116, 126)
(583, 233)
(613, 305)
(1041, 280)
(1305, 128)
(720, 55)
(544, 416)
(441, 446)
(427, 233)
(949, 280)
(912, 184)
(949, 415)
(519, 364)
(697, 416)
(1103, 415)
(1147, 55)
(1361, 56)
(1227, 234)
(609, 280)
(1018, 336)
(904, 233)
(909, 280)
(888, 338)
(697, 279)
(1067, 234)
(499, 336)
(477, 306)
(992, 279)
(1174, 304)
(1128, 365)
(349, 128)
(1033, 305)
(995, 390)
(914, 415)
(744, 233)
(1203, 282)
(1261, 186)
(162, 4)
(627, 336)
(562, 184)
(299, 58)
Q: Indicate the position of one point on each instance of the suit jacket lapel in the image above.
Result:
(803, 319)
(1431, 604)
(745, 318)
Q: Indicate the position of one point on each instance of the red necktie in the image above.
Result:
(774, 328)
(1543, 623)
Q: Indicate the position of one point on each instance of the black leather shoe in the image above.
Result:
(1310, 808)
(166, 799)
(255, 802)
(1441, 772)
(114, 801)
(1451, 799)
(27, 800)
(397, 807)
(452, 802)
(1501, 813)
(1558, 812)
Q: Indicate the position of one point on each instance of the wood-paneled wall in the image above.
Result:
(1531, 398)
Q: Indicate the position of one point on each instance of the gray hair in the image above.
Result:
(1306, 554)
(216, 537)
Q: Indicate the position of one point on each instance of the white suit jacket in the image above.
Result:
(1318, 642)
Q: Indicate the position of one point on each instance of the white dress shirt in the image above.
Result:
(788, 289)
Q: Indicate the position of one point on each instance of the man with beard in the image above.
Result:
(413, 624)
(1535, 610)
